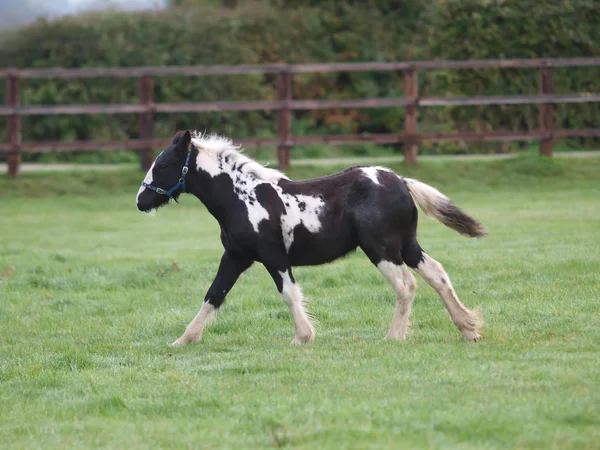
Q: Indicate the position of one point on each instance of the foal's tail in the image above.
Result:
(437, 205)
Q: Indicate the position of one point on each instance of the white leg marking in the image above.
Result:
(292, 295)
(468, 322)
(405, 285)
(194, 330)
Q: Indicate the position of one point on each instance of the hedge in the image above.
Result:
(308, 31)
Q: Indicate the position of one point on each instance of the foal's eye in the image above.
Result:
(162, 166)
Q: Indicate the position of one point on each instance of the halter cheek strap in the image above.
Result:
(180, 182)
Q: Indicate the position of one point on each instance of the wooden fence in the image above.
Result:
(285, 104)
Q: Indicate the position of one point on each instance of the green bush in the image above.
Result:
(304, 31)
(487, 29)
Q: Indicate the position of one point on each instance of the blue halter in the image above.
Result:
(180, 182)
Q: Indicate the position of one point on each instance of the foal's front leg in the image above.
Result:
(292, 295)
(231, 267)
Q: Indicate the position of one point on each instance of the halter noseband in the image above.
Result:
(180, 182)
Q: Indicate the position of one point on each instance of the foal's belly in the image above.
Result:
(310, 249)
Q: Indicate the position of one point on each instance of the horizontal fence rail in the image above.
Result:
(159, 71)
(387, 138)
(295, 105)
(285, 104)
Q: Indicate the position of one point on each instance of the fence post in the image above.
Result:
(284, 118)
(411, 114)
(146, 86)
(13, 126)
(546, 110)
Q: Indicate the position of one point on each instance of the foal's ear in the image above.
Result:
(182, 140)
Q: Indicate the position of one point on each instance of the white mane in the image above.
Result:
(220, 149)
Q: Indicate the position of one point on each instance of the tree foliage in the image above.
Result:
(303, 31)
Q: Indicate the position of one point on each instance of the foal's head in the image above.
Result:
(167, 176)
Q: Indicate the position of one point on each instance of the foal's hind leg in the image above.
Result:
(468, 322)
(387, 258)
(405, 285)
(292, 295)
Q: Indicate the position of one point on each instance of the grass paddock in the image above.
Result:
(92, 292)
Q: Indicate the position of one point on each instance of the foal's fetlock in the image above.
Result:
(473, 324)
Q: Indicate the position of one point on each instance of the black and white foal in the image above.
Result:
(266, 217)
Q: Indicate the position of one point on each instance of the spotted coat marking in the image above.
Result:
(246, 175)
(299, 209)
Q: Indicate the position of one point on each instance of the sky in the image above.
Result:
(15, 12)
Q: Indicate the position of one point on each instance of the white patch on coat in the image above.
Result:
(208, 162)
(292, 295)
(371, 172)
(256, 214)
(299, 209)
(244, 186)
(217, 155)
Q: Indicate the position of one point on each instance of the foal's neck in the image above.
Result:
(204, 188)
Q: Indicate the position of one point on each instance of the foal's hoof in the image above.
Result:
(183, 340)
(472, 336)
(299, 340)
(393, 337)
(178, 343)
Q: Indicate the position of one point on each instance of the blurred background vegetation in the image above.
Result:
(190, 32)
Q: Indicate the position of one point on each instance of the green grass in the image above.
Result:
(92, 299)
